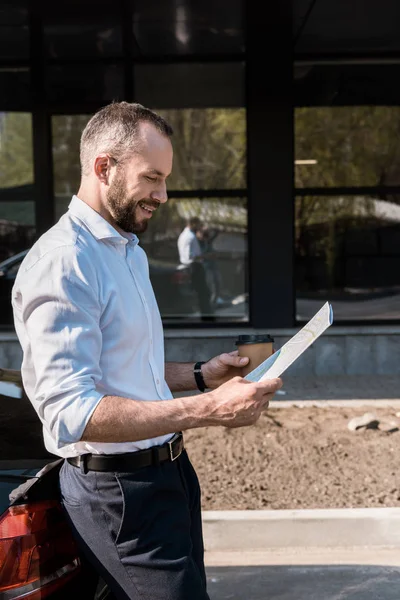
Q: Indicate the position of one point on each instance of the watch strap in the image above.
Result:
(198, 375)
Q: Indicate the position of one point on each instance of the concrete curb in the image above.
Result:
(256, 530)
(336, 403)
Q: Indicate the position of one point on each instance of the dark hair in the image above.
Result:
(114, 129)
(193, 221)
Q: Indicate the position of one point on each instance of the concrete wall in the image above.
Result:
(340, 351)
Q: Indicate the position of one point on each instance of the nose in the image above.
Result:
(160, 194)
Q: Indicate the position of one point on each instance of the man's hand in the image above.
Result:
(222, 368)
(238, 402)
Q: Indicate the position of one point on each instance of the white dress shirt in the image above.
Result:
(188, 246)
(89, 326)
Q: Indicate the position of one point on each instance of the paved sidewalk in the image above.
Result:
(359, 573)
(335, 387)
(338, 387)
(332, 582)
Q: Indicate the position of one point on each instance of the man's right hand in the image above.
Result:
(239, 402)
(236, 403)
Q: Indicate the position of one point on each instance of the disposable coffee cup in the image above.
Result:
(256, 347)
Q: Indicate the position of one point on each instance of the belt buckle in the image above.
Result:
(180, 447)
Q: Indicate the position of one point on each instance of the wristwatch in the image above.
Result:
(198, 375)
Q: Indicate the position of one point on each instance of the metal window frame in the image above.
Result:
(382, 190)
(41, 127)
(270, 139)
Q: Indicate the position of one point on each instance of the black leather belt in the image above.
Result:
(170, 451)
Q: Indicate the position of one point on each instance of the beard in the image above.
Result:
(124, 209)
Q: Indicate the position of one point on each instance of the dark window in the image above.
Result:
(187, 85)
(14, 88)
(82, 29)
(348, 252)
(347, 211)
(79, 84)
(182, 28)
(14, 30)
(340, 84)
(348, 28)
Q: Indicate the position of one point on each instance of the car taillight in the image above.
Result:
(37, 552)
(180, 277)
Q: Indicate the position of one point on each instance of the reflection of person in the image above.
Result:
(212, 274)
(93, 368)
(190, 254)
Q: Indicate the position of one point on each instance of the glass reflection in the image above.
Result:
(208, 153)
(16, 179)
(66, 130)
(348, 252)
(17, 213)
(349, 146)
(175, 28)
(209, 148)
(197, 252)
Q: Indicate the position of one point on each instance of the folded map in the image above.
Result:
(276, 364)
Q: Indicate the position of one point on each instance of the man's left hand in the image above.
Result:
(221, 368)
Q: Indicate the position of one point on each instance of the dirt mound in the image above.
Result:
(298, 458)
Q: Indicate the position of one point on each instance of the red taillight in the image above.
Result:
(180, 277)
(37, 551)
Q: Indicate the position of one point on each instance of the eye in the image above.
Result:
(152, 179)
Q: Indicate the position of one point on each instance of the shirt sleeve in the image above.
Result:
(59, 311)
(194, 248)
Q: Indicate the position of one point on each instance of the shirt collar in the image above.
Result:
(97, 225)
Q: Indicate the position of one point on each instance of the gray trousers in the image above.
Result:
(141, 530)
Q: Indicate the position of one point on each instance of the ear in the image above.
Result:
(102, 168)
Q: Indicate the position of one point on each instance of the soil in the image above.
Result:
(292, 458)
(296, 458)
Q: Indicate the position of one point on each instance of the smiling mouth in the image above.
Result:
(148, 209)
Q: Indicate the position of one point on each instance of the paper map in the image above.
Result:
(276, 364)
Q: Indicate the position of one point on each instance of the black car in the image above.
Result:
(171, 283)
(38, 555)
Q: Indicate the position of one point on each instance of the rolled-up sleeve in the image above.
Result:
(58, 306)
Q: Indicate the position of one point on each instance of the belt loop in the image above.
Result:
(155, 455)
(83, 464)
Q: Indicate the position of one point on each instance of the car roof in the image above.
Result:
(13, 259)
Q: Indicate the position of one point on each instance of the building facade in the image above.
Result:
(287, 148)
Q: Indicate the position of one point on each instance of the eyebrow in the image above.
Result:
(155, 172)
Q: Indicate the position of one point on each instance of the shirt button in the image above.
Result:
(158, 382)
(151, 341)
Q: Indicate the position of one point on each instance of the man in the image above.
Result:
(93, 367)
(190, 254)
(205, 239)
